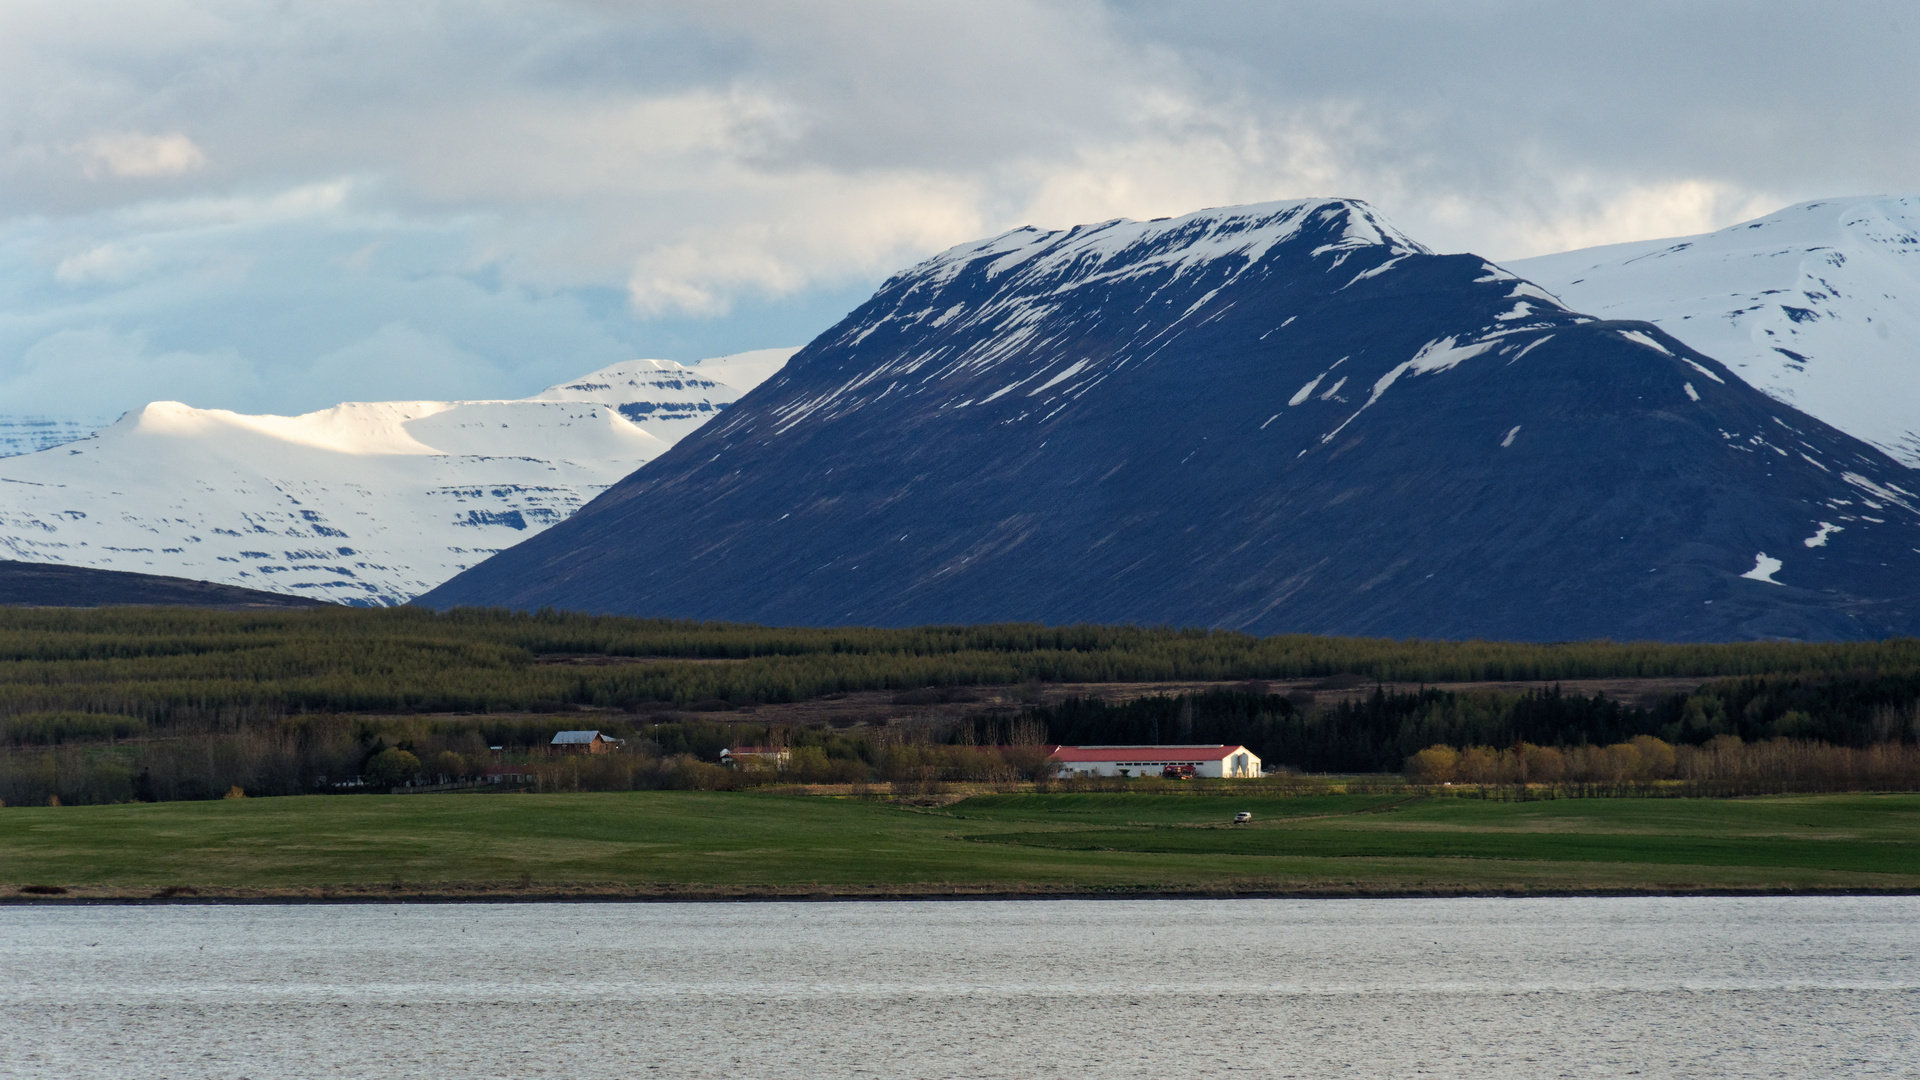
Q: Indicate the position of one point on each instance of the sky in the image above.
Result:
(273, 205)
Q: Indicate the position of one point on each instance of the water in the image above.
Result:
(1709, 987)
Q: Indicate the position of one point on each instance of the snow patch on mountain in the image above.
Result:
(1764, 567)
(1818, 305)
(1127, 249)
(366, 502)
(1024, 291)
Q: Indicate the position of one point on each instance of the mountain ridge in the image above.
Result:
(364, 502)
(1817, 304)
(52, 585)
(1284, 417)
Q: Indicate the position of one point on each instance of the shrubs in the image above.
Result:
(1434, 765)
(345, 754)
(1725, 764)
(449, 766)
(391, 768)
(1639, 759)
(73, 776)
(57, 728)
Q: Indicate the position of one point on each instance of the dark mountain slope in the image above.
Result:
(1284, 417)
(51, 585)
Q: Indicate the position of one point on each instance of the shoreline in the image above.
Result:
(843, 894)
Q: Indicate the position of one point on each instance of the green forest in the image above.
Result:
(1379, 732)
(163, 664)
(113, 705)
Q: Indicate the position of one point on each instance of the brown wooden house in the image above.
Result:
(582, 742)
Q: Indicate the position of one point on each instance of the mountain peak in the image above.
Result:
(1278, 418)
(1086, 254)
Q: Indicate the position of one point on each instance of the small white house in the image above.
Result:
(1217, 760)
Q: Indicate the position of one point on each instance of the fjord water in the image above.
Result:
(1719, 987)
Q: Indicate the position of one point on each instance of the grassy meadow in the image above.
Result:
(718, 844)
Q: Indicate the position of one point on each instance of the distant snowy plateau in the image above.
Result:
(1818, 305)
(365, 503)
(1291, 417)
(24, 434)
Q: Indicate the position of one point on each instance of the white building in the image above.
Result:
(763, 757)
(1207, 760)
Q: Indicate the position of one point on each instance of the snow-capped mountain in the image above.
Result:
(668, 400)
(23, 434)
(1273, 418)
(366, 502)
(1818, 305)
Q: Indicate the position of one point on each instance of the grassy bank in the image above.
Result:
(675, 843)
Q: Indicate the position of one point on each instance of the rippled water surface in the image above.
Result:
(1508, 988)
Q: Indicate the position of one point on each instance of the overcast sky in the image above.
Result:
(274, 206)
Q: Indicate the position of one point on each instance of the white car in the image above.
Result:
(1242, 817)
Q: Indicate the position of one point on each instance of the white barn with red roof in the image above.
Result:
(1212, 759)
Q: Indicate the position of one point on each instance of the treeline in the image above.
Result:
(1380, 731)
(1435, 736)
(337, 754)
(164, 666)
(1725, 765)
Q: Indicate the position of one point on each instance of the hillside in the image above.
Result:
(363, 503)
(1818, 305)
(45, 585)
(1287, 417)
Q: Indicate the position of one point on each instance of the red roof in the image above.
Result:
(1158, 755)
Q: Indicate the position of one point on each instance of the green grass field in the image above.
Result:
(729, 844)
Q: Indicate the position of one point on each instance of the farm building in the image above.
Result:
(764, 757)
(1206, 760)
(582, 742)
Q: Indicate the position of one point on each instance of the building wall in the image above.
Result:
(1217, 768)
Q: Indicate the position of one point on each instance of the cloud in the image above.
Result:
(399, 362)
(64, 373)
(1609, 215)
(282, 303)
(590, 177)
(105, 262)
(136, 155)
(821, 224)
